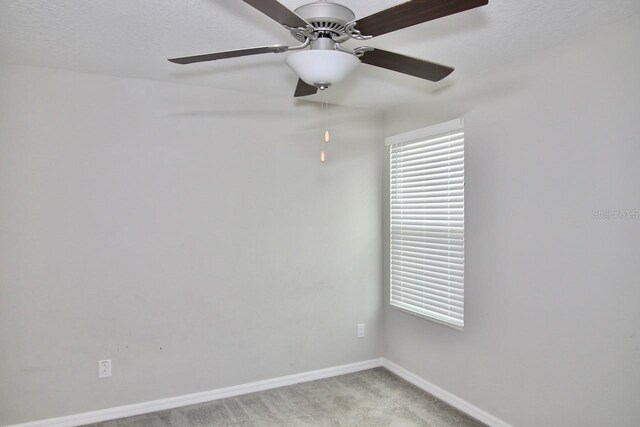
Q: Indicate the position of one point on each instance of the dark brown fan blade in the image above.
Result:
(411, 13)
(279, 13)
(229, 54)
(406, 65)
(304, 89)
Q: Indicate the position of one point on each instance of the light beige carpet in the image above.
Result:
(375, 397)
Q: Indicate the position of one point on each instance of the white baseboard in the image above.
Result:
(450, 398)
(221, 393)
(205, 396)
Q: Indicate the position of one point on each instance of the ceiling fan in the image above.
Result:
(323, 27)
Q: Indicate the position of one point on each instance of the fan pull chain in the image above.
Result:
(326, 123)
(327, 136)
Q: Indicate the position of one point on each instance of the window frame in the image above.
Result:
(420, 135)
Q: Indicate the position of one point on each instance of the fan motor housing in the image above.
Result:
(327, 17)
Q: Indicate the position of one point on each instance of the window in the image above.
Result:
(427, 222)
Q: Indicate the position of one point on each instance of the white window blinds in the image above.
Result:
(427, 222)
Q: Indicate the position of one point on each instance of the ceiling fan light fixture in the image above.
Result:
(324, 25)
(322, 67)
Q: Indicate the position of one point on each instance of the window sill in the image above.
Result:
(432, 319)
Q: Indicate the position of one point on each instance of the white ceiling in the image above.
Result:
(134, 38)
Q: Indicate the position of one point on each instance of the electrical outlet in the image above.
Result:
(360, 333)
(104, 368)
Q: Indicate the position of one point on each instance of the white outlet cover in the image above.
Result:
(360, 330)
(104, 368)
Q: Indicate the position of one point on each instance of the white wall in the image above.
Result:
(192, 236)
(552, 300)
(188, 234)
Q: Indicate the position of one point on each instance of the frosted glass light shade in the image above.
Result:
(322, 66)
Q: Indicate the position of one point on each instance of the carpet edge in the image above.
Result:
(442, 394)
(200, 397)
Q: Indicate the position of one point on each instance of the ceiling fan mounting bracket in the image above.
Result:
(302, 46)
(359, 51)
(350, 29)
(302, 33)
